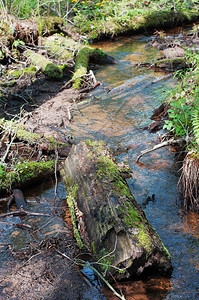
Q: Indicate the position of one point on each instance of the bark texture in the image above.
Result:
(51, 70)
(109, 219)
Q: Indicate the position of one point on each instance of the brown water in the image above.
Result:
(116, 112)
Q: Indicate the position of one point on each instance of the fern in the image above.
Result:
(195, 122)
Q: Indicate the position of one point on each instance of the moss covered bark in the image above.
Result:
(60, 47)
(118, 231)
(85, 55)
(23, 174)
(20, 133)
(50, 70)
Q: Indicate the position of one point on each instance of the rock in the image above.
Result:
(109, 219)
(174, 52)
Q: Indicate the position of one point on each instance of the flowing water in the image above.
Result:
(117, 112)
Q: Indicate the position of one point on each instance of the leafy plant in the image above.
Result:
(184, 104)
(195, 121)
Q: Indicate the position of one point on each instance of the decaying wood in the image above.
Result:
(109, 219)
(50, 69)
(86, 55)
(60, 47)
(170, 142)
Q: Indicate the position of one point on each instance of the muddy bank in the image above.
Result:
(47, 274)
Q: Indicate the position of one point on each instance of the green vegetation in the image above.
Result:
(96, 18)
(184, 104)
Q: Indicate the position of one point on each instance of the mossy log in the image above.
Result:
(28, 71)
(109, 219)
(60, 47)
(86, 55)
(44, 143)
(50, 70)
(170, 64)
(24, 174)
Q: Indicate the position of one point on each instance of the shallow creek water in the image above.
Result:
(116, 112)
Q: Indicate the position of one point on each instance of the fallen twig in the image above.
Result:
(23, 212)
(160, 145)
(89, 88)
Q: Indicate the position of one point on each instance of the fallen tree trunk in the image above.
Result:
(50, 70)
(86, 55)
(24, 174)
(42, 143)
(60, 47)
(109, 219)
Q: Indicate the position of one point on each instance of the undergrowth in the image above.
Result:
(184, 104)
(184, 122)
(95, 17)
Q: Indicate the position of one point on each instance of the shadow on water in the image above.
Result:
(116, 112)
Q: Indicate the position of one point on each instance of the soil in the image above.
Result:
(46, 275)
(46, 106)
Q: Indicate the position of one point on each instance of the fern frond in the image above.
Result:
(195, 122)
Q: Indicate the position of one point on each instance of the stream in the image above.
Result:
(116, 112)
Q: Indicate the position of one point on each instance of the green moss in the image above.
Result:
(32, 138)
(96, 146)
(50, 69)
(29, 71)
(84, 56)
(80, 66)
(71, 195)
(24, 173)
(105, 260)
(145, 240)
(60, 47)
(53, 72)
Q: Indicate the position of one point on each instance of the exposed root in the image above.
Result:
(189, 182)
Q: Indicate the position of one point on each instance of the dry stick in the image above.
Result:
(69, 114)
(8, 149)
(71, 80)
(160, 145)
(23, 212)
(43, 226)
(89, 88)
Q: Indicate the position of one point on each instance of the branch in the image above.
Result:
(23, 212)
(160, 145)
